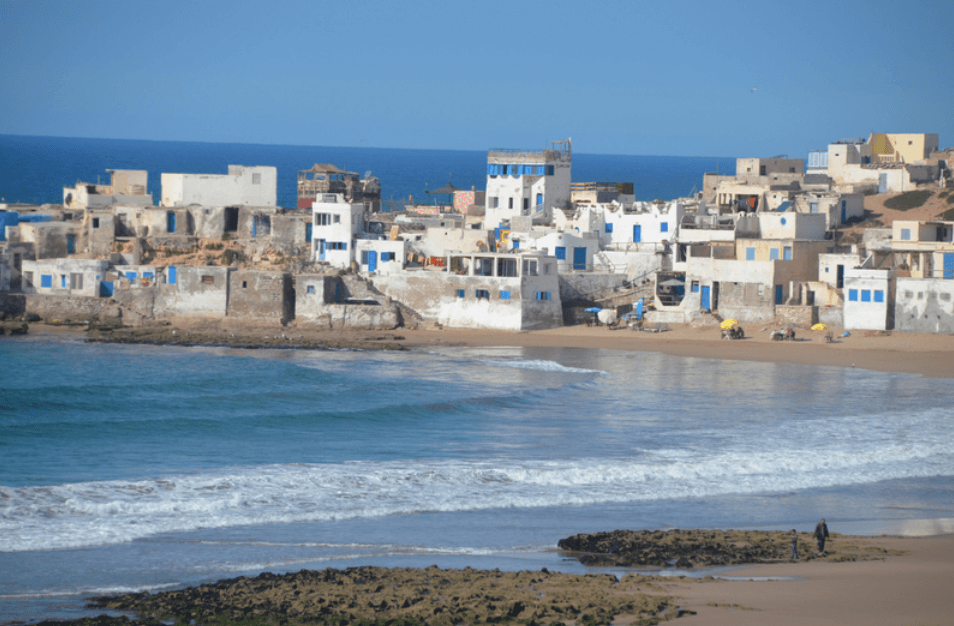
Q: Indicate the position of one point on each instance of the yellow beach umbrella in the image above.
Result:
(729, 323)
(819, 327)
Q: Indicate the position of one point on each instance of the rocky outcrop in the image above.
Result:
(404, 597)
(693, 548)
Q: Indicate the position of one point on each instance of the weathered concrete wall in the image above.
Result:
(255, 295)
(477, 301)
(831, 315)
(924, 305)
(584, 287)
(70, 307)
(199, 291)
(797, 314)
(747, 302)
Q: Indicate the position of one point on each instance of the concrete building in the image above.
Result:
(924, 305)
(527, 184)
(242, 186)
(64, 277)
(335, 225)
(125, 187)
(518, 291)
(324, 178)
(838, 208)
(888, 162)
(924, 249)
(869, 299)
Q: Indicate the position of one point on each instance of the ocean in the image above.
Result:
(35, 169)
(147, 468)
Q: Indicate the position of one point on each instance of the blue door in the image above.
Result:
(170, 222)
(171, 274)
(322, 244)
(779, 293)
(105, 289)
(637, 233)
(71, 244)
(949, 265)
(579, 258)
(561, 253)
(882, 183)
(372, 260)
(844, 211)
(706, 300)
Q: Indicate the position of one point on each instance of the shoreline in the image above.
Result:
(906, 580)
(930, 356)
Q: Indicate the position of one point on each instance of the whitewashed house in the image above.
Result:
(869, 301)
(242, 186)
(335, 223)
(527, 184)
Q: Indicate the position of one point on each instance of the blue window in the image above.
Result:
(866, 295)
(171, 275)
(783, 221)
(504, 294)
(906, 234)
(561, 253)
(664, 227)
(543, 295)
(337, 245)
(773, 254)
(482, 293)
(787, 253)
(695, 287)
(549, 170)
(539, 199)
(609, 227)
(310, 289)
(541, 170)
(460, 293)
(63, 280)
(853, 295)
(879, 295)
(131, 276)
(308, 233)
(750, 254)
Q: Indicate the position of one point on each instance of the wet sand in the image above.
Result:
(931, 356)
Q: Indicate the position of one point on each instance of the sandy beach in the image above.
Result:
(913, 588)
(931, 356)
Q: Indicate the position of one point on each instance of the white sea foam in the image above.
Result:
(107, 512)
(543, 366)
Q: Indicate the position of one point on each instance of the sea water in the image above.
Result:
(36, 169)
(146, 468)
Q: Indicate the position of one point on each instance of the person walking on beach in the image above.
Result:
(821, 534)
(794, 545)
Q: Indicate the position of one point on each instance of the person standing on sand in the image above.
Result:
(821, 534)
(794, 545)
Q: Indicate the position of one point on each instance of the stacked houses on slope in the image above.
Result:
(761, 246)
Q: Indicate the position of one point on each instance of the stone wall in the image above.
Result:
(255, 295)
(800, 315)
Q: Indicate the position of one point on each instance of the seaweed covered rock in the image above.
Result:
(377, 596)
(692, 548)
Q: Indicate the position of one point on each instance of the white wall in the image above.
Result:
(334, 224)
(862, 311)
(62, 280)
(242, 186)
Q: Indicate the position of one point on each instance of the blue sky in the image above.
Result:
(631, 77)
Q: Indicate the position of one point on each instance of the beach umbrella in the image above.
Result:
(729, 323)
(819, 327)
